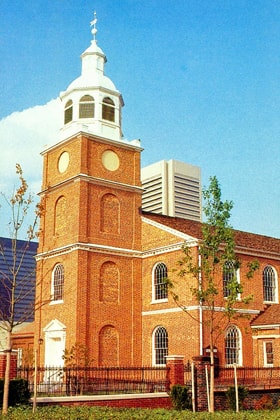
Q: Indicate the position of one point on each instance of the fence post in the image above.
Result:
(13, 369)
(175, 372)
(200, 362)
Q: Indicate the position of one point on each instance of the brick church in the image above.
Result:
(102, 259)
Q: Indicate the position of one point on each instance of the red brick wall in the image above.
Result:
(74, 213)
(13, 369)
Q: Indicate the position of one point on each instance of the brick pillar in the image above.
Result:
(13, 370)
(200, 362)
(175, 373)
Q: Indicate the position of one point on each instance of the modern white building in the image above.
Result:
(172, 188)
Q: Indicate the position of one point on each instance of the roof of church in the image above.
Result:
(193, 228)
(270, 316)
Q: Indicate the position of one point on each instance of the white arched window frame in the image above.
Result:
(270, 285)
(86, 107)
(159, 285)
(68, 112)
(57, 286)
(229, 273)
(160, 346)
(233, 346)
(108, 109)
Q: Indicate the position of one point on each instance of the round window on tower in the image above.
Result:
(110, 160)
(63, 162)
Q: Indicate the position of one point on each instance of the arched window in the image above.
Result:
(68, 112)
(230, 274)
(160, 291)
(86, 107)
(58, 283)
(160, 346)
(108, 109)
(233, 346)
(270, 285)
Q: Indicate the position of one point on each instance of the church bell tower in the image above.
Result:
(89, 258)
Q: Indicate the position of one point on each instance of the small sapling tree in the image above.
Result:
(17, 283)
(216, 257)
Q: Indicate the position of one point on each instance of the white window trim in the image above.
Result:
(276, 300)
(238, 281)
(154, 350)
(265, 363)
(240, 352)
(154, 300)
(52, 301)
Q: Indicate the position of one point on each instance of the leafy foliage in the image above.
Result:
(107, 413)
(16, 287)
(18, 392)
(180, 396)
(231, 396)
(215, 258)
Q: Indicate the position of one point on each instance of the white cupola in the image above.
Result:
(91, 103)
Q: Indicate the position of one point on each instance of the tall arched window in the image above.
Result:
(68, 112)
(108, 109)
(160, 291)
(233, 346)
(230, 273)
(86, 107)
(57, 283)
(270, 289)
(160, 346)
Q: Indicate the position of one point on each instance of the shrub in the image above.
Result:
(231, 398)
(264, 403)
(180, 396)
(18, 392)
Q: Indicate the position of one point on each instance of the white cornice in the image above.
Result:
(254, 252)
(163, 249)
(101, 249)
(169, 310)
(191, 241)
(93, 180)
(265, 327)
(265, 336)
(119, 143)
(196, 308)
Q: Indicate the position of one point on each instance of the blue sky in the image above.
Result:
(200, 81)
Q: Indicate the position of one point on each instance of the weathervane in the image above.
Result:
(93, 24)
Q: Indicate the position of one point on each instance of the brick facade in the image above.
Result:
(94, 227)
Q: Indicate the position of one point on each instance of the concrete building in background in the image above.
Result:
(172, 188)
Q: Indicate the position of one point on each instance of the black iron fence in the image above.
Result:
(95, 380)
(252, 377)
(265, 377)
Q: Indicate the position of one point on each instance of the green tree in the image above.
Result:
(216, 250)
(16, 287)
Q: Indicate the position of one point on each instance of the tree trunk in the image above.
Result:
(212, 408)
(7, 374)
(212, 370)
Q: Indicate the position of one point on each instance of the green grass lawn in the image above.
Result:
(104, 413)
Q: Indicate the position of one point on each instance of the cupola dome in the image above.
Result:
(91, 102)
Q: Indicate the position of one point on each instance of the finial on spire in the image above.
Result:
(93, 25)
